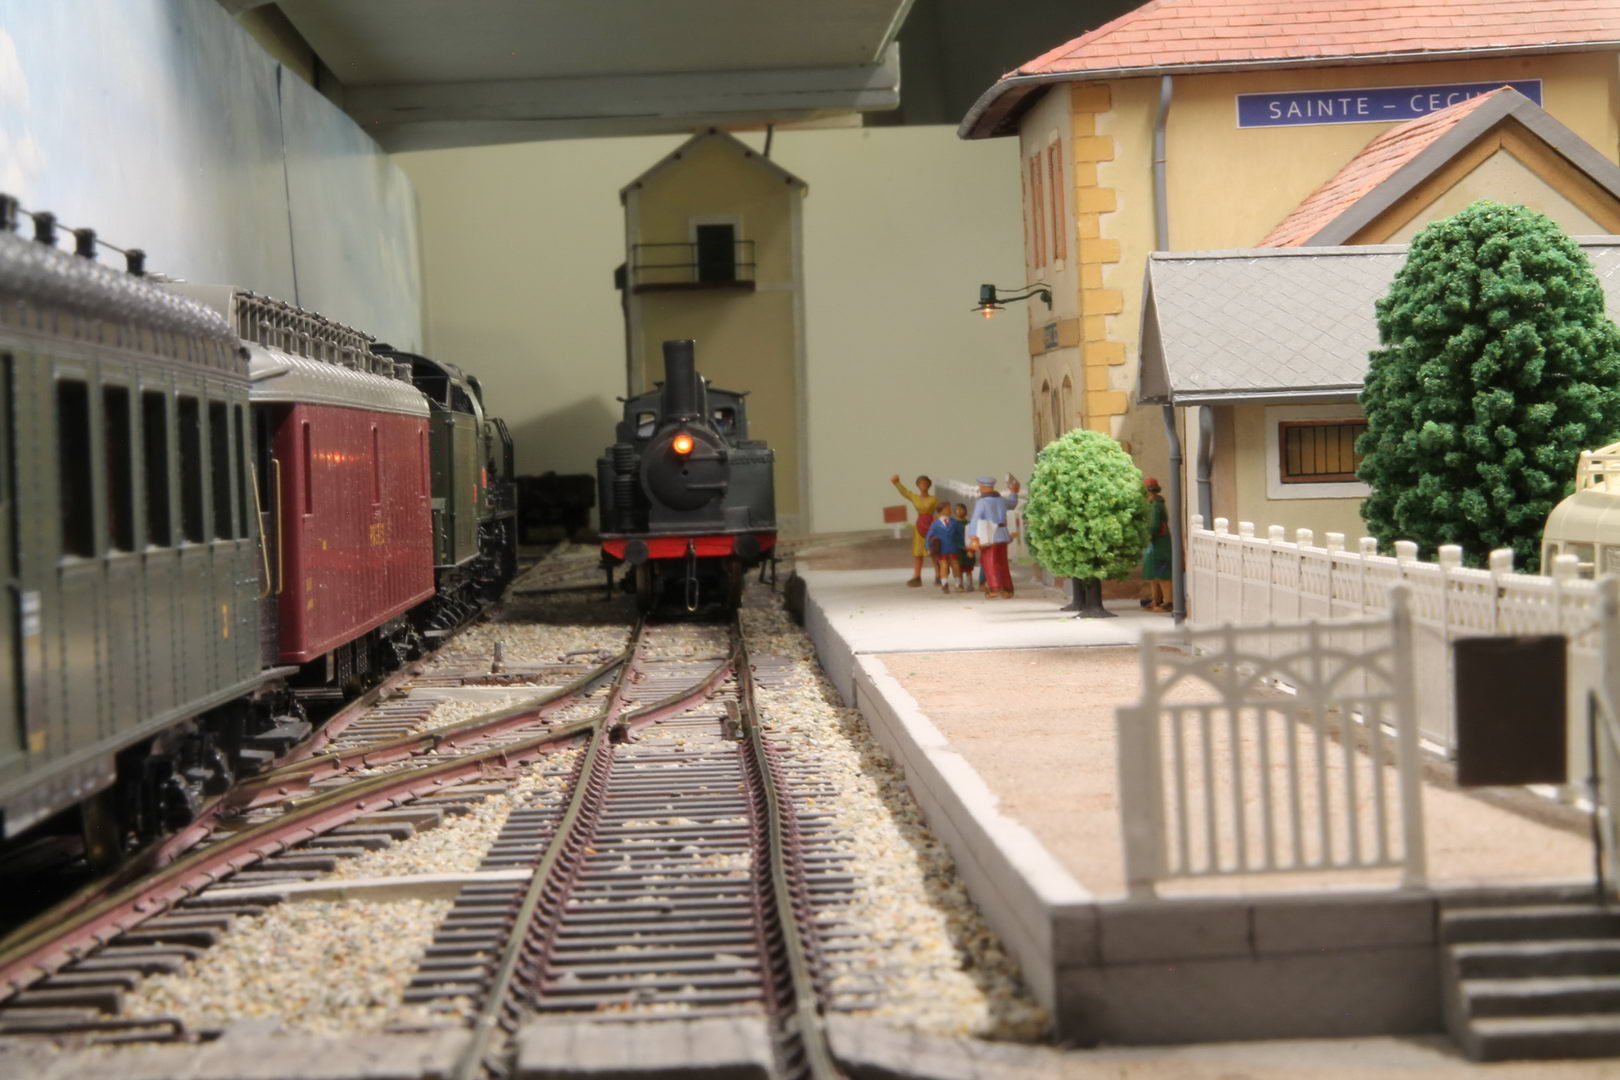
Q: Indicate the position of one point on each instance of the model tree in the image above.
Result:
(1497, 368)
(1087, 517)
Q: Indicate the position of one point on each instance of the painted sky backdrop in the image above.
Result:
(162, 125)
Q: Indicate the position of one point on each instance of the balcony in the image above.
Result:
(684, 267)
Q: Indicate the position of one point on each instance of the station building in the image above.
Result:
(1219, 127)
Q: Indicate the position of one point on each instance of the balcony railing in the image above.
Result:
(668, 267)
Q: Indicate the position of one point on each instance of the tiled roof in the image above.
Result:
(1376, 163)
(1191, 35)
(1279, 324)
(1165, 32)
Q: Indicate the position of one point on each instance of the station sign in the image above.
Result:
(1365, 105)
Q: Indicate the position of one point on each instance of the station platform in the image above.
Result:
(1002, 715)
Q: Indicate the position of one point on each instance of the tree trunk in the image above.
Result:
(1087, 602)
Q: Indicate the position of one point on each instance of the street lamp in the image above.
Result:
(990, 303)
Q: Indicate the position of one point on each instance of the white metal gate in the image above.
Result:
(1222, 773)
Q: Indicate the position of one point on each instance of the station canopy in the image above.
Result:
(420, 74)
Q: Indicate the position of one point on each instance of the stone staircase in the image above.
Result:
(1532, 979)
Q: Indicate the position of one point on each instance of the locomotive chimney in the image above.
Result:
(680, 380)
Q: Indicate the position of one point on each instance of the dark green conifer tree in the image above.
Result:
(1497, 368)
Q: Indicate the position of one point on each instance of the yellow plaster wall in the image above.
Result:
(1250, 432)
(1502, 178)
(713, 179)
(1260, 174)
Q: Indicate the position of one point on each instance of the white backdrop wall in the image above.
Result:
(162, 125)
(901, 225)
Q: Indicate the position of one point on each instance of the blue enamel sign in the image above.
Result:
(1367, 105)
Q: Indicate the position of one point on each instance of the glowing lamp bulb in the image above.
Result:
(988, 311)
(682, 443)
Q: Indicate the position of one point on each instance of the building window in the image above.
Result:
(1037, 210)
(1319, 451)
(1068, 402)
(716, 252)
(1054, 167)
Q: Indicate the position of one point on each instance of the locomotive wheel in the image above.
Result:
(644, 589)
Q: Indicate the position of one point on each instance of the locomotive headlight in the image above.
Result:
(682, 444)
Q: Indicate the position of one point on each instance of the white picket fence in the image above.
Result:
(1246, 580)
(1222, 775)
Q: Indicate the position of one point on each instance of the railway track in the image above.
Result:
(675, 879)
(680, 874)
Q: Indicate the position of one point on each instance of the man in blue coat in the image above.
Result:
(991, 537)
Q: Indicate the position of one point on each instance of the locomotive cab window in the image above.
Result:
(646, 422)
(725, 421)
(77, 477)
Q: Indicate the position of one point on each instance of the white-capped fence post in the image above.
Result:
(1501, 565)
(1141, 783)
(1406, 735)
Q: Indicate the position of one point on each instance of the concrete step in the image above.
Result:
(1543, 1037)
(1529, 921)
(1530, 959)
(1545, 996)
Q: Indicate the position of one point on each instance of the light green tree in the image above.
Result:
(1497, 368)
(1087, 518)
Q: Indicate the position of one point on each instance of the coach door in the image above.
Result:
(10, 595)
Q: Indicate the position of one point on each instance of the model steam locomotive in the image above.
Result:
(214, 509)
(688, 501)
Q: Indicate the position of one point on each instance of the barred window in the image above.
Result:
(1319, 451)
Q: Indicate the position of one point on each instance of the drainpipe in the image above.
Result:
(1206, 460)
(1161, 242)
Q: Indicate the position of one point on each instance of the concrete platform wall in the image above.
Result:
(1151, 971)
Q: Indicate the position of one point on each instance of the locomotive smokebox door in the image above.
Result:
(1510, 710)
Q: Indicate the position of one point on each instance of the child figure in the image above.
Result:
(964, 560)
(945, 541)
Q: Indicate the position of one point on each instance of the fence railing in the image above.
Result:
(1221, 774)
(1245, 579)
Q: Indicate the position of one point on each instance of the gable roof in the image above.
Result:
(669, 160)
(1406, 155)
(1274, 325)
(1175, 36)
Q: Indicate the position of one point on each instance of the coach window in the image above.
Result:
(240, 459)
(309, 471)
(189, 419)
(155, 466)
(73, 451)
(120, 468)
(219, 458)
